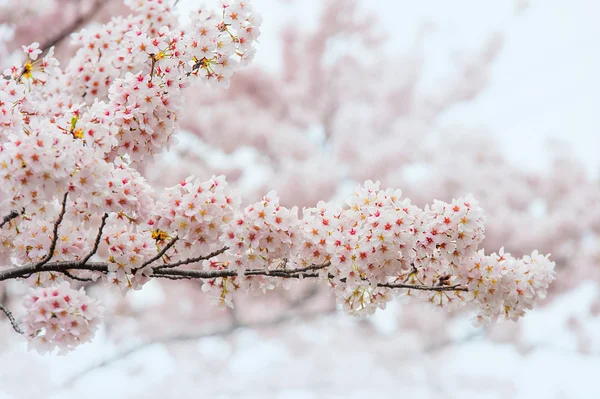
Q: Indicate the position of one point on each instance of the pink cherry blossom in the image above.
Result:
(60, 317)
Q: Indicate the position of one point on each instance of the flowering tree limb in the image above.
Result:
(168, 271)
(73, 140)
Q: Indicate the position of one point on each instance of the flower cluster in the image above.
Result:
(373, 239)
(237, 28)
(448, 235)
(146, 106)
(141, 63)
(60, 316)
(501, 285)
(262, 235)
(381, 238)
(127, 250)
(377, 242)
(33, 164)
(195, 212)
(126, 192)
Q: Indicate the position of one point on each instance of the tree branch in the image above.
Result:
(12, 215)
(73, 277)
(169, 271)
(455, 287)
(161, 253)
(10, 316)
(61, 267)
(191, 260)
(211, 274)
(309, 268)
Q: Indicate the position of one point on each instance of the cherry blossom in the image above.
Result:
(59, 316)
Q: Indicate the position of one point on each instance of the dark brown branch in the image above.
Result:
(308, 268)
(57, 223)
(61, 267)
(73, 277)
(10, 316)
(97, 241)
(455, 287)
(204, 274)
(12, 215)
(191, 260)
(168, 277)
(170, 272)
(161, 253)
(211, 274)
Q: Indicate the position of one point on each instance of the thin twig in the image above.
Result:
(57, 223)
(73, 277)
(308, 268)
(97, 242)
(211, 274)
(175, 278)
(10, 316)
(161, 253)
(455, 287)
(192, 260)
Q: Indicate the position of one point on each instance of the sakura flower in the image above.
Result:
(32, 51)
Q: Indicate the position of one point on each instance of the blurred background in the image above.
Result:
(440, 99)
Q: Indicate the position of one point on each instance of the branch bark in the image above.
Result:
(12, 215)
(10, 316)
(161, 253)
(171, 272)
